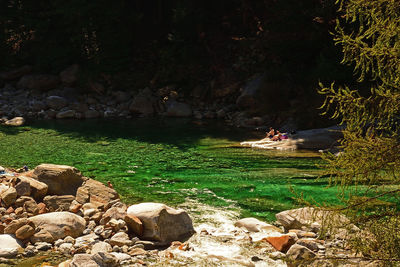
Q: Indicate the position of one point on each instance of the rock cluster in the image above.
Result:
(29, 95)
(56, 207)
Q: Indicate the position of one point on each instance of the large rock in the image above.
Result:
(58, 203)
(39, 82)
(9, 196)
(178, 109)
(162, 223)
(10, 246)
(322, 138)
(61, 179)
(96, 193)
(297, 218)
(255, 225)
(66, 114)
(70, 74)
(142, 105)
(298, 252)
(38, 189)
(17, 121)
(25, 232)
(15, 73)
(56, 102)
(59, 224)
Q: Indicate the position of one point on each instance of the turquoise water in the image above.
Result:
(169, 160)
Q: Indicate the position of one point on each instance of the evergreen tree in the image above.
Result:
(368, 169)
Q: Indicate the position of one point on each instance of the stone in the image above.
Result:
(38, 189)
(121, 257)
(25, 232)
(96, 193)
(137, 251)
(66, 114)
(58, 203)
(9, 196)
(281, 243)
(66, 263)
(101, 246)
(134, 224)
(89, 212)
(42, 208)
(120, 239)
(31, 207)
(91, 114)
(75, 206)
(15, 73)
(162, 223)
(60, 224)
(69, 76)
(105, 259)
(298, 252)
(297, 218)
(66, 248)
(61, 179)
(42, 236)
(178, 109)
(38, 82)
(83, 260)
(23, 188)
(69, 239)
(86, 240)
(15, 225)
(142, 105)
(56, 102)
(10, 246)
(113, 213)
(43, 246)
(19, 210)
(255, 225)
(17, 121)
(309, 243)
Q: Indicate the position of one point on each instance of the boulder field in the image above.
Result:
(54, 207)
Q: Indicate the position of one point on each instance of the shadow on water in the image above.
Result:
(178, 132)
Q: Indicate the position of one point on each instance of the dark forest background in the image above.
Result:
(187, 43)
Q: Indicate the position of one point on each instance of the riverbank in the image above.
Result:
(92, 226)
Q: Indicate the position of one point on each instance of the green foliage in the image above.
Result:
(369, 34)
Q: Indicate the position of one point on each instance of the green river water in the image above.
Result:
(172, 160)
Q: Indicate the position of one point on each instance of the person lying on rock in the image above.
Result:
(271, 133)
(277, 137)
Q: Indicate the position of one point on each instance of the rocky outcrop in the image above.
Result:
(58, 225)
(60, 179)
(162, 223)
(178, 109)
(38, 82)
